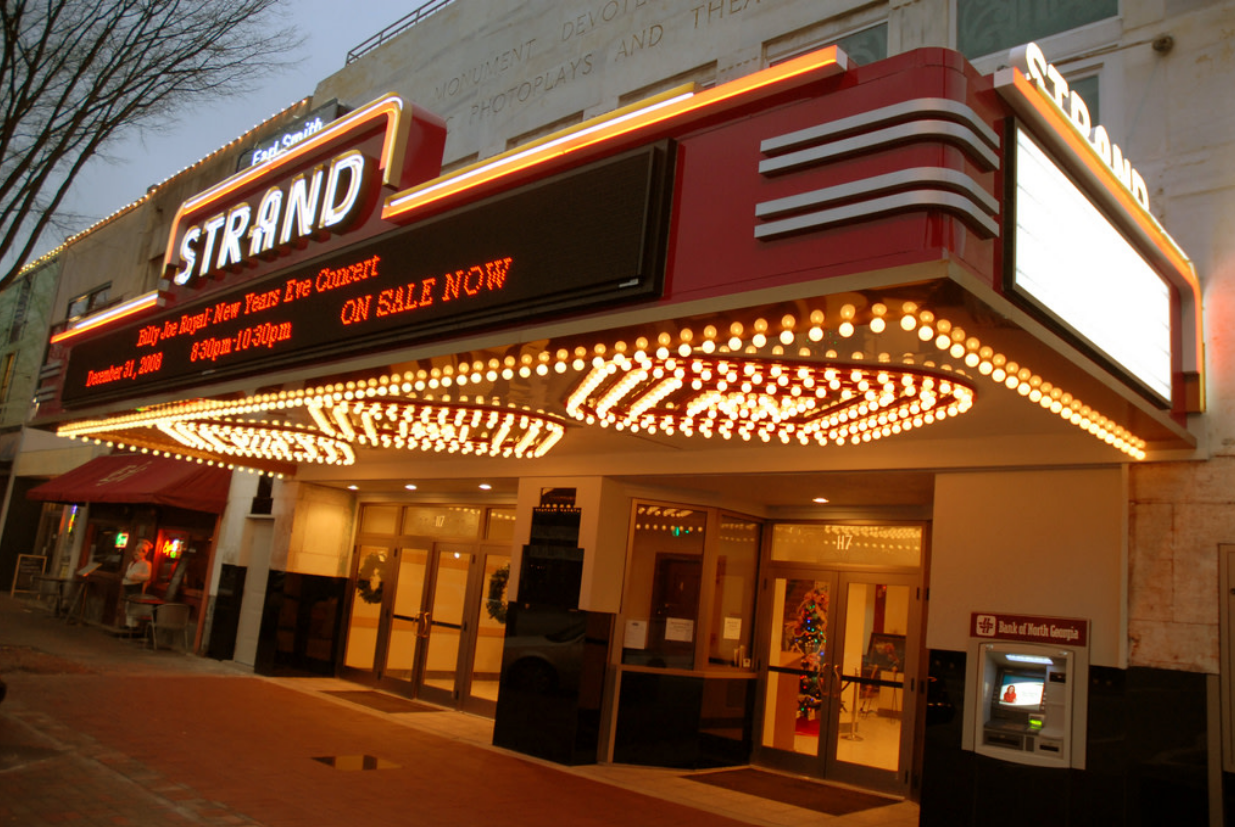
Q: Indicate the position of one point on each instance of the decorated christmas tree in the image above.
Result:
(809, 636)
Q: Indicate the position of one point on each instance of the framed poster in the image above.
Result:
(887, 652)
(29, 566)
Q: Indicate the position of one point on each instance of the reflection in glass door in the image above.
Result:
(364, 627)
(839, 647)
(799, 690)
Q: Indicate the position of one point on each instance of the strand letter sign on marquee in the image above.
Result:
(297, 203)
(284, 216)
(1030, 60)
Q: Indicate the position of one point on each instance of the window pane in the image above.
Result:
(797, 687)
(737, 559)
(868, 45)
(501, 524)
(817, 543)
(662, 600)
(490, 628)
(99, 297)
(379, 519)
(1087, 88)
(362, 627)
(442, 521)
(873, 665)
(988, 26)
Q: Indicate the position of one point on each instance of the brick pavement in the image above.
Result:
(98, 731)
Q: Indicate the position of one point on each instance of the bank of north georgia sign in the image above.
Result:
(295, 205)
(1051, 82)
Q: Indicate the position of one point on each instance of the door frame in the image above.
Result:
(473, 603)
(825, 765)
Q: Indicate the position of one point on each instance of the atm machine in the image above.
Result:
(1026, 702)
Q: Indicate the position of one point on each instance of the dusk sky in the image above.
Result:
(330, 30)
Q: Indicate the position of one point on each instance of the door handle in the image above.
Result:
(425, 622)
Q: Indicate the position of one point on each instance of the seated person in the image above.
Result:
(138, 573)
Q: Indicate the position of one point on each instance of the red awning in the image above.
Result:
(137, 478)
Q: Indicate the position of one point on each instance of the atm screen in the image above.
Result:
(1020, 690)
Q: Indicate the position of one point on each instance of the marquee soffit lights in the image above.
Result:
(797, 352)
(375, 413)
(733, 395)
(674, 383)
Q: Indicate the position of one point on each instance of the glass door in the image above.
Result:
(445, 623)
(489, 635)
(365, 624)
(405, 624)
(839, 648)
(430, 622)
(386, 622)
(800, 684)
(872, 740)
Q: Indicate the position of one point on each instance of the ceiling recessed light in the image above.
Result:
(821, 500)
(484, 486)
(411, 486)
(353, 488)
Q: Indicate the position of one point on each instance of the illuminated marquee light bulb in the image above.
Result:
(754, 398)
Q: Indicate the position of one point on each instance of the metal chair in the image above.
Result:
(137, 617)
(170, 617)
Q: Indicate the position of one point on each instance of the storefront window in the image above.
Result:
(442, 521)
(831, 544)
(690, 590)
(662, 607)
(733, 607)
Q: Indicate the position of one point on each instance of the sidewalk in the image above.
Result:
(99, 731)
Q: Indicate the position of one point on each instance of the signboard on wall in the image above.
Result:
(1064, 631)
(1072, 264)
(272, 146)
(586, 237)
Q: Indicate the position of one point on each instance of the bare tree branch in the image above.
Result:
(77, 74)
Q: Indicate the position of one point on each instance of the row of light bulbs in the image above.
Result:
(756, 397)
(151, 191)
(363, 413)
(756, 380)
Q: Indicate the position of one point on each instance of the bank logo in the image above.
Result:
(985, 625)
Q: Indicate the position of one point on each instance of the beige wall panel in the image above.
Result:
(1045, 543)
(497, 71)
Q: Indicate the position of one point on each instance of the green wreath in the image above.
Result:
(496, 604)
(371, 566)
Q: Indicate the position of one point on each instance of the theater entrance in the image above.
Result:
(840, 665)
(427, 620)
